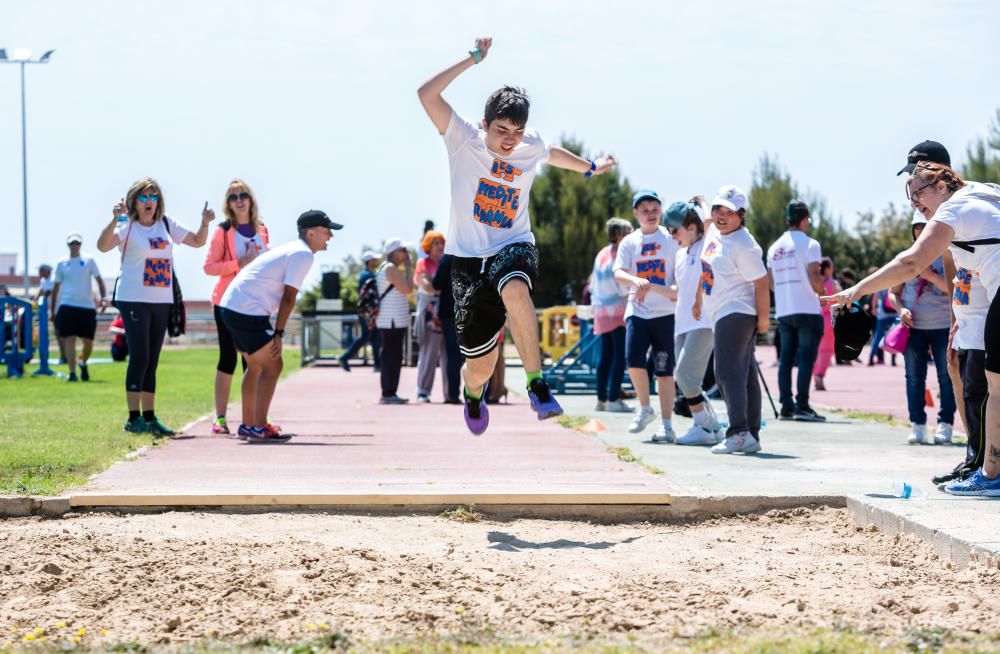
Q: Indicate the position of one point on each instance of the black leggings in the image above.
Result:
(145, 329)
(227, 346)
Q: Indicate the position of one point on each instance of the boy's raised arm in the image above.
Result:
(563, 158)
(437, 108)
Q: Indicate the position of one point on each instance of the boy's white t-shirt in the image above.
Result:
(788, 258)
(970, 305)
(147, 265)
(257, 289)
(729, 265)
(973, 211)
(489, 194)
(687, 272)
(651, 257)
(75, 278)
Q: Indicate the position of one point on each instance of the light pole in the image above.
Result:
(22, 56)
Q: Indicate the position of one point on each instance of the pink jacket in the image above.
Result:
(221, 259)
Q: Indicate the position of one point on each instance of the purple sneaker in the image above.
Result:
(542, 401)
(477, 416)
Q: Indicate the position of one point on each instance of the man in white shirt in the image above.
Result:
(76, 315)
(492, 167)
(793, 271)
(267, 286)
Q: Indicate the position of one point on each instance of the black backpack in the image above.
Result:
(369, 299)
(177, 318)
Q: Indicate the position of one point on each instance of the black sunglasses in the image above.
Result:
(233, 197)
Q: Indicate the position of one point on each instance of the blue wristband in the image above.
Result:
(477, 54)
(590, 173)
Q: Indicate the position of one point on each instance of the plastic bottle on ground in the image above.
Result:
(905, 491)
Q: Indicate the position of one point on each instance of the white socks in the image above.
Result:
(700, 417)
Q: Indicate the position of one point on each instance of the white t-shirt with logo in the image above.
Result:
(489, 194)
(687, 272)
(973, 211)
(788, 258)
(75, 278)
(970, 304)
(148, 263)
(257, 289)
(651, 257)
(729, 265)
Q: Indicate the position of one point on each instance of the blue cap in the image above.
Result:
(675, 214)
(644, 194)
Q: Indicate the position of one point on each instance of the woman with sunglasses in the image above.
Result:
(237, 241)
(965, 218)
(144, 291)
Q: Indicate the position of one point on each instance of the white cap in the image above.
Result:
(369, 256)
(394, 244)
(74, 238)
(918, 219)
(730, 197)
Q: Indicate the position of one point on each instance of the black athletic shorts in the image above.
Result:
(76, 321)
(250, 333)
(477, 283)
(641, 333)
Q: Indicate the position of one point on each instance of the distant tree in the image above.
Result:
(771, 190)
(568, 213)
(983, 157)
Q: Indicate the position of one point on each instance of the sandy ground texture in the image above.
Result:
(177, 577)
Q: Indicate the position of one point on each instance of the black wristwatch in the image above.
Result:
(279, 332)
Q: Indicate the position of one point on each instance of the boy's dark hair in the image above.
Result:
(509, 102)
(796, 212)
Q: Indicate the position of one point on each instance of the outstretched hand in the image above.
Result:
(840, 299)
(484, 43)
(605, 163)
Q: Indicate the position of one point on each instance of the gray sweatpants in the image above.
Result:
(693, 350)
(431, 355)
(736, 372)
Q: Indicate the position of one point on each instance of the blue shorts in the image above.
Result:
(250, 333)
(641, 333)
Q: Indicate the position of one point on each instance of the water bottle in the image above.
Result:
(905, 491)
(122, 218)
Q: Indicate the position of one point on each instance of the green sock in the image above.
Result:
(532, 376)
(474, 396)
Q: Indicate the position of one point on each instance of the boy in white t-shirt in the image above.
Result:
(734, 292)
(76, 316)
(267, 286)
(492, 166)
(793, 270)
(645, 263)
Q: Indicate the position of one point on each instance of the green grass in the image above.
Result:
(54, 435)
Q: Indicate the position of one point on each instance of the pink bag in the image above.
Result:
(897, 338)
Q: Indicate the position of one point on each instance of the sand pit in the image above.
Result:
(180, 577)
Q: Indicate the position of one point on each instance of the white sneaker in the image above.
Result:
(664, 434)
(741, 442)
(601, 406)
(617, 406)
(642, 418)
(699, 435)
(943, 434)
(918, 434)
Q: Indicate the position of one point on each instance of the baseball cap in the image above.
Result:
(852, 327)
(918, 219)
(730, 197)
(925, 151)
(796, 211)
(675, 214)
(394, 244)
(316, 218)
(74, 238)
(644, 194)
(369, 255)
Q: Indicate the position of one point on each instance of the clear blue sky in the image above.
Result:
(314, 103)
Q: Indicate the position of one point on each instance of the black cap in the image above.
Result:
(316, 218)
(852, 327)
(796, 212)
(926, 151)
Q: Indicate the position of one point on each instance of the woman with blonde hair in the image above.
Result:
(237, 241)
(430, 335)
(144, 291)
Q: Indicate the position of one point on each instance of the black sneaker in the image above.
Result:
(84, 372)
(958, 474)
(806, 415)
(72, 377)
(787, 414)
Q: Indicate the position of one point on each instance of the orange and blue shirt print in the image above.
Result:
(707, 274)
(496, 204)
(156, 273)
(652, 270)
(963, 285)
(158, 243)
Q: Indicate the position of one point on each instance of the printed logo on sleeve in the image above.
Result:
(963, 285)
(156, 273)
(707, 277)
(158, 243)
